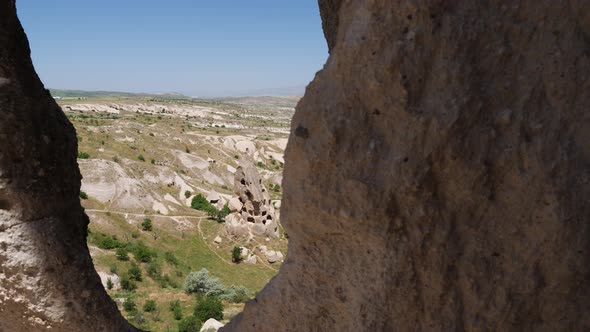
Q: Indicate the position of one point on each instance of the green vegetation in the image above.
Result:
(208, 307)
(129, 305)
(176, 309)
(121, 254)
(199, 202)
(83, 155)
(146, 225)
(109, 284)
(135, 272)
(236, 254)
(149, 306)
(140, 158)
(202, 283)
(83, 195)
(128, 284)
(187, 194)
(190, 324)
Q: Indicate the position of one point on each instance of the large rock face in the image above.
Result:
(46, 275)
(438, 173)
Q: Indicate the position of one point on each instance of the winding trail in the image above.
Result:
(201, 234)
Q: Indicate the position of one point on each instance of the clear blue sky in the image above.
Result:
(196, 47)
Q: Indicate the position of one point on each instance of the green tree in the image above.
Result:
(236, 254)
(199, 202)
(83, 155)
(149, 306)
(190, 324)
(141, 158)
(146, 225)
(109, 284)
(209, 307)
(83, 195)
(187, 194)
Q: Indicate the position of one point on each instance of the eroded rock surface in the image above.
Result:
(252, 212)
(47, 279)
(437, 175)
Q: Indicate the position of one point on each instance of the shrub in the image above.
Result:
(83, 195)
(122, 255)
(170, 258)
(149, 306)
(143, 253)
(236, 254)
(104, 241)
(260, 164)
(154, 271)
(116, 159)
(187, 194)
(146, 225)
(134, 235)
(83, 155)
(113, 269)
(135, 272)
(128, 284)
(209, 307)
(129, 305)
(190, 324)
(235, 294)
(109, 284)
(141, 158)
(200, 203)
(176, 310)
(153, 161)
(202, 283)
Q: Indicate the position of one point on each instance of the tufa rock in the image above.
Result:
(47, 277)
(251, 204)
(413, 200)
(211, 325)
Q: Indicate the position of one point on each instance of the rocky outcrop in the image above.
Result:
(437, 175)
(47, 280)
(251, 210)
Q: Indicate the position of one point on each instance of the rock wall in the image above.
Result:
(437, 175)
(47, 279)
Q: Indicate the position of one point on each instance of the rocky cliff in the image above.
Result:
(47, 280)
(437, 176)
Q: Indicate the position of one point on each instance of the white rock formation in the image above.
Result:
(211, 325)
(252, 211)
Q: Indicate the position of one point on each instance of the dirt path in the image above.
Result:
(145, 215)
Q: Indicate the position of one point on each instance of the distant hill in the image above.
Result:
(112, 94)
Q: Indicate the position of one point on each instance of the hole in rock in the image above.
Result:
(156, 201)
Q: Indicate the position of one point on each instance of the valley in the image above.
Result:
(144, 160)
